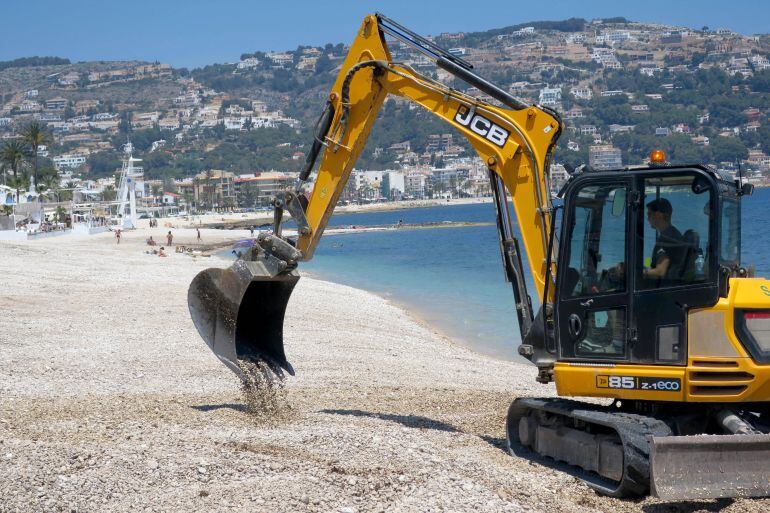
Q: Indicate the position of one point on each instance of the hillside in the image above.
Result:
(702, 95)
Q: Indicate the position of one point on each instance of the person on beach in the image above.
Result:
(162, 252)
(117, 235)
(251, 230)
(170, 238)
(198, 230)
(150, 241)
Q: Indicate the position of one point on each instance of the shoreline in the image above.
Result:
(420, 319)
(226, 220)
(419, 316)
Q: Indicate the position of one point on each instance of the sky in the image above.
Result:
(193, 33)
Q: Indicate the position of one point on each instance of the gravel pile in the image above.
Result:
(109, 401)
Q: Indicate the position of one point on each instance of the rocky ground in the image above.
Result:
(109, 401)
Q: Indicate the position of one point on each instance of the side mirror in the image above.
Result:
(700, 185)
(747, 189)
(619, 202)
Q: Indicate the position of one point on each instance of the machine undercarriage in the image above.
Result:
(639, 448)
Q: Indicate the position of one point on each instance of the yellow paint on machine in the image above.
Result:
(589, 381)
(718, 369)
(515, 144)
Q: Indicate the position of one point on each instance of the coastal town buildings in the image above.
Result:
(604, 156)
(193, 120)
(214, 187)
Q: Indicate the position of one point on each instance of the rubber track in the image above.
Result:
(633, 429)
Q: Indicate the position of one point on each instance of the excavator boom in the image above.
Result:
(239, 311)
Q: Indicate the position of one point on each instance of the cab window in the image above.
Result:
(730, 243)
(677, 214)
(597, 261)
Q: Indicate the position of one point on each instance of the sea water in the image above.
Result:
(453, 277)
(450, 277)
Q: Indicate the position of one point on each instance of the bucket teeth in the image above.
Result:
(239, 313)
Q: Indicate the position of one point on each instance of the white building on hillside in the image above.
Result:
(69, 161)
(550, 96)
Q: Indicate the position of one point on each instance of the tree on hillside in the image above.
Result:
(104, 163)
(727, 149)
(12, 155)
(49, 183)
(35, 136)
(323, 64)
(18, 183)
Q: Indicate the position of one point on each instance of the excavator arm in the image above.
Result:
(514, 142)
(235, 310)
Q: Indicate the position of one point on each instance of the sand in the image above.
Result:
(110, 401)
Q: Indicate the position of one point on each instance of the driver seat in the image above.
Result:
(691, 243)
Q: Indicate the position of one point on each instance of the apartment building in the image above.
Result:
(214, 188)
(550, 96)
(604, 156)
(263, 187)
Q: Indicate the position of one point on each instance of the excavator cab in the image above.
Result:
(647, 311)
(639, 249)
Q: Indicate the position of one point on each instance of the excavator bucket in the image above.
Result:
(239, 313)
(710, 466)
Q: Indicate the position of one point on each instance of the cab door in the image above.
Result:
(675, 224)
(593, 308)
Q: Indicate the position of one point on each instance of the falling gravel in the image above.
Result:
(264, 392)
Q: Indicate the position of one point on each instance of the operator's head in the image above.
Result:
(659, 213)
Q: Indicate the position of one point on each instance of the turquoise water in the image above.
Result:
(452, 277)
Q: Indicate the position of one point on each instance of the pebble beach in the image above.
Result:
(110, 401)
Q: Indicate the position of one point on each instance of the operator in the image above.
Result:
(668, 253)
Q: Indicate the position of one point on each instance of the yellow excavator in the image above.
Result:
(644, 298)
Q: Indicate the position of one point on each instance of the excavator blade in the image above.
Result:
(710, 466)
(239, 313)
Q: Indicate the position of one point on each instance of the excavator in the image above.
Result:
(646, 310)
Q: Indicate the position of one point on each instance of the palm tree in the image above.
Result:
(109, 193)
(35, 136)
(188, 200)
(209, 175)
(61, 214)
(12, 155)
(18, 183)
(197, 191)
(50, 183)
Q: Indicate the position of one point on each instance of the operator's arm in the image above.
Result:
(660, 269)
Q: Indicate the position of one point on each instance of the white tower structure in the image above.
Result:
(130, 174)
